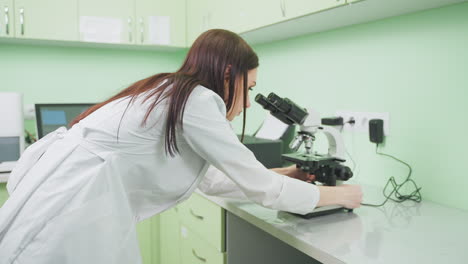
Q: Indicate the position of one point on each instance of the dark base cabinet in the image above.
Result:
(248, 244)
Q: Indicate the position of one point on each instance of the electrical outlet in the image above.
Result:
(361, 120)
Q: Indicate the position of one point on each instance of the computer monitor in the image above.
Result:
(49, 117)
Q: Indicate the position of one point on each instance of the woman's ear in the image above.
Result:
(227, 72)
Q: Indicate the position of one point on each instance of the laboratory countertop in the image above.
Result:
(395, 233)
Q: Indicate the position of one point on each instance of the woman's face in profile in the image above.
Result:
(238, 105)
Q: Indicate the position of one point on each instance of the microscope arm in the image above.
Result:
(335, 142)
(312, 125)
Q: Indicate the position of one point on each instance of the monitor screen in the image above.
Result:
(49, 117)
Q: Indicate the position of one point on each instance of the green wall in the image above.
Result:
(415, 67)
(3, 193)
(47, 74)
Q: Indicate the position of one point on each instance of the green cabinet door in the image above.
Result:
(199, 14)
(224, 14)
(3, 193)
(148, 238)
(204, 218)
(144, 238)
(107, 21)
(46, 19)
(296, 8)
(195, 250)
(251, 15)
(155, 243)
(203, 15)
(7, 21)
(160, 22)
(170, 237)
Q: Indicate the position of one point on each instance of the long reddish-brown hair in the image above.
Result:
(211, 54)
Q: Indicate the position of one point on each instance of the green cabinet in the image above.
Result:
(198, 18)
(170, 237)
(195, 250)
(245, 15)
(109, 21)
(142, 22)
(160, 22)
(46, 19)
(193, 232)
(204, 218)
(239, 16)
(296, 8)
(3, 193)
(7, 21)
(255, 14)
(148, 238)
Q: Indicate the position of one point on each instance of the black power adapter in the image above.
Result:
(376, 133)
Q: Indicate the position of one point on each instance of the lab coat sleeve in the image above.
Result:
(216, 183)
(207, 131)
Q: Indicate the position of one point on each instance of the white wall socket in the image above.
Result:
(361, 120)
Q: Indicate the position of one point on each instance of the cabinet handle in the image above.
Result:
(283, 8)
(21, 11)
(7, 20)
(142, 30)
(198, 257)
(130, 35)
(197, 216)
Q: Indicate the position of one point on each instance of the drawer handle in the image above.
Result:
(197, 216)
(7, 20)
(130, 30)
(142, 30)
(283, 8)
(21, 11)
(198, 257)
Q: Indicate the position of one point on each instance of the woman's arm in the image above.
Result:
(293, 172)
(349, 196)
(346, 195)
(208, 133)
(216, 183)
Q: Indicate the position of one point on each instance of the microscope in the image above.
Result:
(327, 168)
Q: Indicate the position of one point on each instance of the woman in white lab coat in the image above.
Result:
(76, 196)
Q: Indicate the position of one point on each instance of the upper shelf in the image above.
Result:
(350, 14)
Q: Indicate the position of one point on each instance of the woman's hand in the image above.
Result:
(295, 173)
(346, 195)
(351, 195)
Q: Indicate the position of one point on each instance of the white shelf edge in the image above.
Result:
(341, 16)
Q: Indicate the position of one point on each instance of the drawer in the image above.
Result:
(204, 218)
(197, 251)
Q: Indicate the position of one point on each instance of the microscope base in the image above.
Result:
(324, 210)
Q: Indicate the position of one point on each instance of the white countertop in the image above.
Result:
(396, 233)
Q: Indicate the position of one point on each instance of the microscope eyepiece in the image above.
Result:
(262, 100)
(283, 109)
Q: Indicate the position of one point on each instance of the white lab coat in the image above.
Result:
(76, 195)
